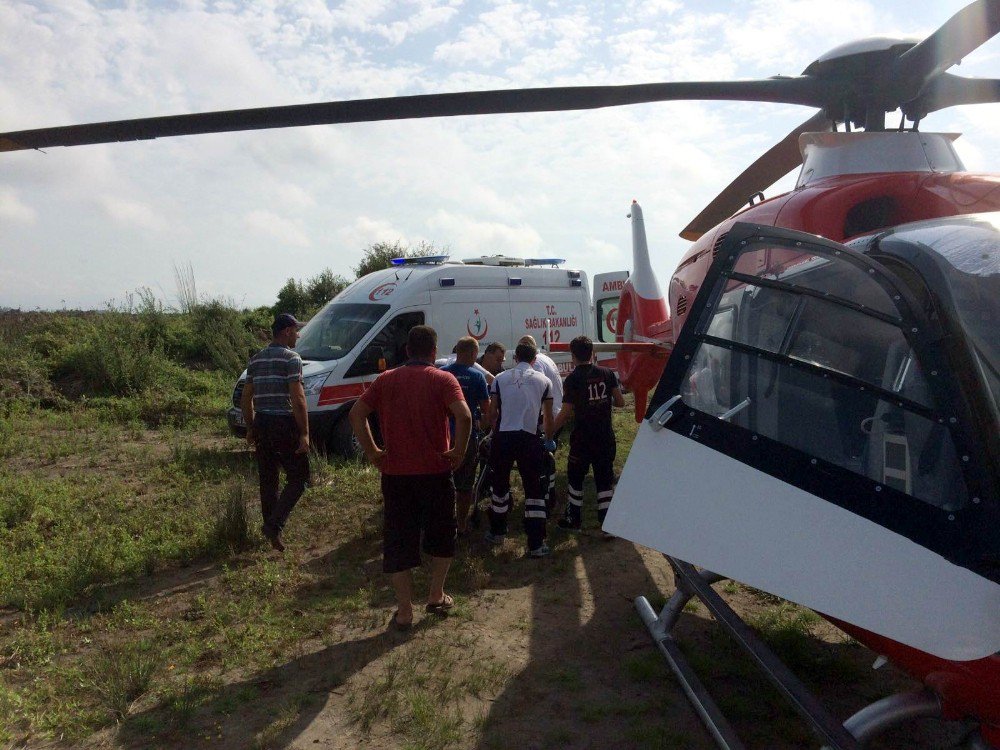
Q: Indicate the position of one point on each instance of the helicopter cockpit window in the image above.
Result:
(336, 329)
(816, 273)
(827, 371)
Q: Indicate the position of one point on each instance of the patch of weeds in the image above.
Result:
(592, 713)
(788, 630)
(487, 678)
(645, 667)
(558, 737)
(34, 644)
(731, 587)
(416, 693)
(693, 606)
(122, 673)
(269, 737)
(183, 701)
(430, 727)
(658, 736)
(235, 527)
(567, 677)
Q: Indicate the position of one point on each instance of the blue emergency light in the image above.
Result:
(421, 261)
(543, 261)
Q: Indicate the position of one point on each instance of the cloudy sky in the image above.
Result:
(82, 226)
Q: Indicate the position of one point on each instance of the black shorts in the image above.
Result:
(415, 504)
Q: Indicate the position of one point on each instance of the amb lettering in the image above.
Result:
(613, 286)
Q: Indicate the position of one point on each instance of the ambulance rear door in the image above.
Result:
(607, 291)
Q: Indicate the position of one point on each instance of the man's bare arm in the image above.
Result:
(298, 395)
(617, 398)
(246, 406)
(484, 415)
(565, 414)
(358, 417)
(547, 420)
(463, 428)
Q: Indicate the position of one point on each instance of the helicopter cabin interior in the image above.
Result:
(816, 346)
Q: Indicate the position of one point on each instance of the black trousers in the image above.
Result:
(526, 450)
(277, 439)
(584, 452)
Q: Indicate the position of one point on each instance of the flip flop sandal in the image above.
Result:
(441, 608)
(395, 624)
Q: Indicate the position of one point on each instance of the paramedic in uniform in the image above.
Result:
(545, 365)
(590, 392)
(517, 396)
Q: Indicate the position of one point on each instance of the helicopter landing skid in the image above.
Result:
(853, 734)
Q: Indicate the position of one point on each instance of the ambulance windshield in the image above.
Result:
(336, 329)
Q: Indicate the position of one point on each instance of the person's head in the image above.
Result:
(285, 329)
(525, 353)
(421, 343)
(582, 349)
(466, 350)
(529, 340)
(493, 356)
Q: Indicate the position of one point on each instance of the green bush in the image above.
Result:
(115, 359)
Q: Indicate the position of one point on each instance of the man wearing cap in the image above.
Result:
(274, 408)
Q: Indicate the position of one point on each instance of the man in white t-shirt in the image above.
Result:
(544, 364)
(517, 397)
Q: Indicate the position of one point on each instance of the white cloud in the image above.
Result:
(131, 213)
(364, 231)
(270, 224)
(555, 183)
(13, 209)
(471, 237)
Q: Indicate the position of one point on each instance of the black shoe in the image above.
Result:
(274, 537)
(567, 525)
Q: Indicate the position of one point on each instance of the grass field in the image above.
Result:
(140, 607)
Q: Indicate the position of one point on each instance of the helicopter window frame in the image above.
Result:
(961, 534)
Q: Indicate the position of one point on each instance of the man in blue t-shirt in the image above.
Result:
(473, 384)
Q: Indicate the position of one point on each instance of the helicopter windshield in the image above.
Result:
(809, 351)
(966, 252)
(337, 329)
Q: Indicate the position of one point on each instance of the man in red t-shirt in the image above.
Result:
(413, 403)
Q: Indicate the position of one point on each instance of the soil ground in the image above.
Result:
(536, 654)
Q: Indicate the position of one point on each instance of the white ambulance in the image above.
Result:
(494, 298)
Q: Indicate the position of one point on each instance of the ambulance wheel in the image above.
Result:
(342, 441)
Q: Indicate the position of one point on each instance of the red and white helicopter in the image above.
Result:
(826, 365)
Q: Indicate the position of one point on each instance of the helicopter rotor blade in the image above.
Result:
(948, 90)
(961, 34)
(778, 161)
(789, 90)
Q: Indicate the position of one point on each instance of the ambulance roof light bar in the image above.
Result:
(424, 260)
(544, 261)
(495, 260)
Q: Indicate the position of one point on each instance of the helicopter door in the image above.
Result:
(802, 440)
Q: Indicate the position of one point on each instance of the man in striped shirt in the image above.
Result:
(274, 407)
